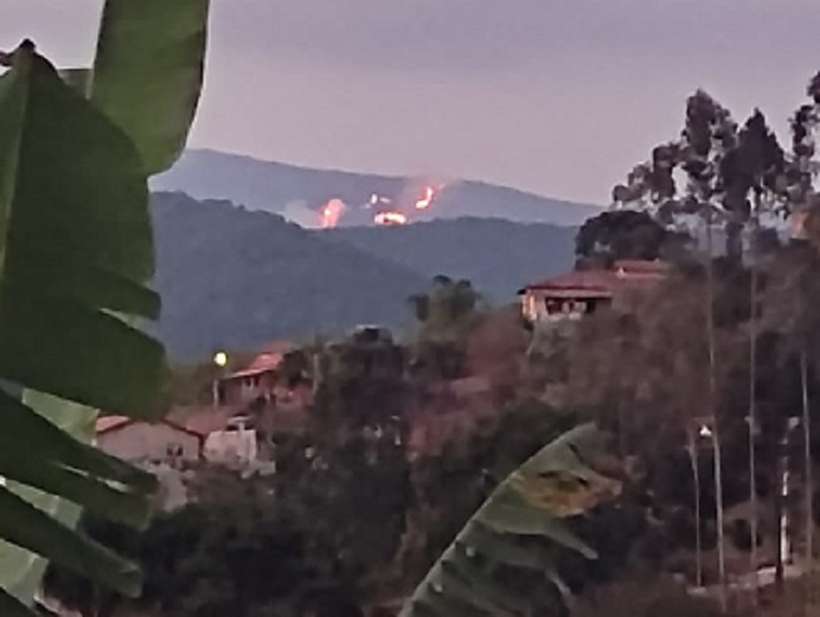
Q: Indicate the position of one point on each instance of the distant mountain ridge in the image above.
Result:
(238, 279)
(276, 187)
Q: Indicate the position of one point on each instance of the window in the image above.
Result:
(174, 450)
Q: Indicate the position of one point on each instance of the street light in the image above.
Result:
(220, 360)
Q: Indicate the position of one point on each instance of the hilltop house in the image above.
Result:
(138, 441)
(261, 395)
(569, 296)
(254, 382)
(187, 436)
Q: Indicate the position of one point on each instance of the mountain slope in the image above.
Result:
(498, 256)
(238, 279)
(235, 278)
(275, 187)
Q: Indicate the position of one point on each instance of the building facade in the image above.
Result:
(149, 443)
(570, 296)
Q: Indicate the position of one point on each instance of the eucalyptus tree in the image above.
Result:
(750, 173)
(709, 134)
(734, 179)
(801, 199)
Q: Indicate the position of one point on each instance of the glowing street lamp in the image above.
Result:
(220, 360)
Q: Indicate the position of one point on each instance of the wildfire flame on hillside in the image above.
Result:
(390, 217)
(396, 209)
(429, 195)
(403, 215)
(332, 212)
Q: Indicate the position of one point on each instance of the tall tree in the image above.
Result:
(751, 169)
(802, 201)
(708, 136)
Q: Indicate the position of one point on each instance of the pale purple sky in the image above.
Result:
(559, 97)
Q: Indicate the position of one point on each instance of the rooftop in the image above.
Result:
(603, 283)
(267, 360)
(107, 424)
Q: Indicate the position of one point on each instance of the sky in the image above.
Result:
(558, 97)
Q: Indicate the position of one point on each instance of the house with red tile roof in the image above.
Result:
(569, 296)
(188, 435)
(139, 441)
(259, 392)
(254, 381)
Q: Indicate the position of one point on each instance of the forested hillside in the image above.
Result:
(238, 279)
(235, 278)
(497, 255)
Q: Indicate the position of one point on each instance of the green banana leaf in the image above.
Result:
(79, 79)
(525, 514)
(75, 249)
(71, 259)
(21, 570)
(148, 73)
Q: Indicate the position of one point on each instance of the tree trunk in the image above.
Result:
(778, 515)
(710, 334)
(734, 240)
(692, 447)
(753, 519)
(808, 482)
(781, 488)
(719, 516)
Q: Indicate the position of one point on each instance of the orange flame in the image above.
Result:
(332, 212)
(390, 218)
(429, 196)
